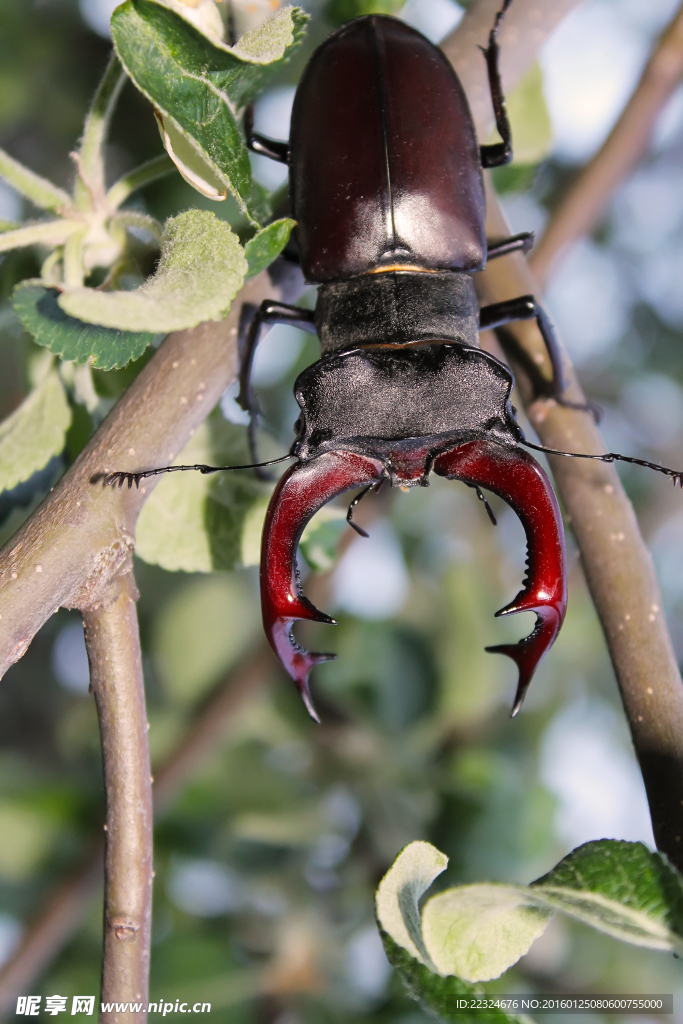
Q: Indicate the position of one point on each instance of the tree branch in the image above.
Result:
(581, 208)
(616, 562)
(65, 908)
(615, 559)
(113, 644)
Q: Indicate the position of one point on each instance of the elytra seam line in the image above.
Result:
(384, 127)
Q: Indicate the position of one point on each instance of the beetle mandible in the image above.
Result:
(387, 191)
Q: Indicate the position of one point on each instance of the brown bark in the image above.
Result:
(615, 560)
(113, 645)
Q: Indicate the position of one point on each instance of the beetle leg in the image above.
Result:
(499, 153)
(274, 149)
(519, 480)
(522, 242)
(268, 314)
(300, 493)
(527, 308)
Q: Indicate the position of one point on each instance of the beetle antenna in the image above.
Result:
(121, 476)
(675, 474)
(359, 497)
(482, 497)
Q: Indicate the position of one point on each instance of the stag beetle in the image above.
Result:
(387, 191)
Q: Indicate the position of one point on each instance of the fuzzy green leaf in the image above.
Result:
(38, 309)
(202, 84)
(268, 243)
(477, 931)
(195, 523)
(190, 161)
(34, 432)
(201, 269)
(437, 995)
(398, 895)
(619, 888)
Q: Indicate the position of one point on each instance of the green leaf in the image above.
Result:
(266, 244)
(201, 269)
(38, 309)
(398, 895)
(619, 888)
(476, 932)
(437, 995)
(193, 522)
(190, 161)
(202, 84)
(34, 432)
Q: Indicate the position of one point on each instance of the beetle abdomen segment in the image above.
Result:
(375, 399)
(385, 164)
(397, 307)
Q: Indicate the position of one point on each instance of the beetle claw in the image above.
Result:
(301, 492)
(519, 480)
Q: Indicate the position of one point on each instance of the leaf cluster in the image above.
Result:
(113, 279)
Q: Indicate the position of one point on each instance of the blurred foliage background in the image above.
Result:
(267, 860)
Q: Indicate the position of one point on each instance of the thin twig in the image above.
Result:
(65, 908)
(615, 559)
(580, 209)
(113, 643)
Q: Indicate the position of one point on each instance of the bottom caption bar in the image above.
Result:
(648, 1005)
(29, 1006)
